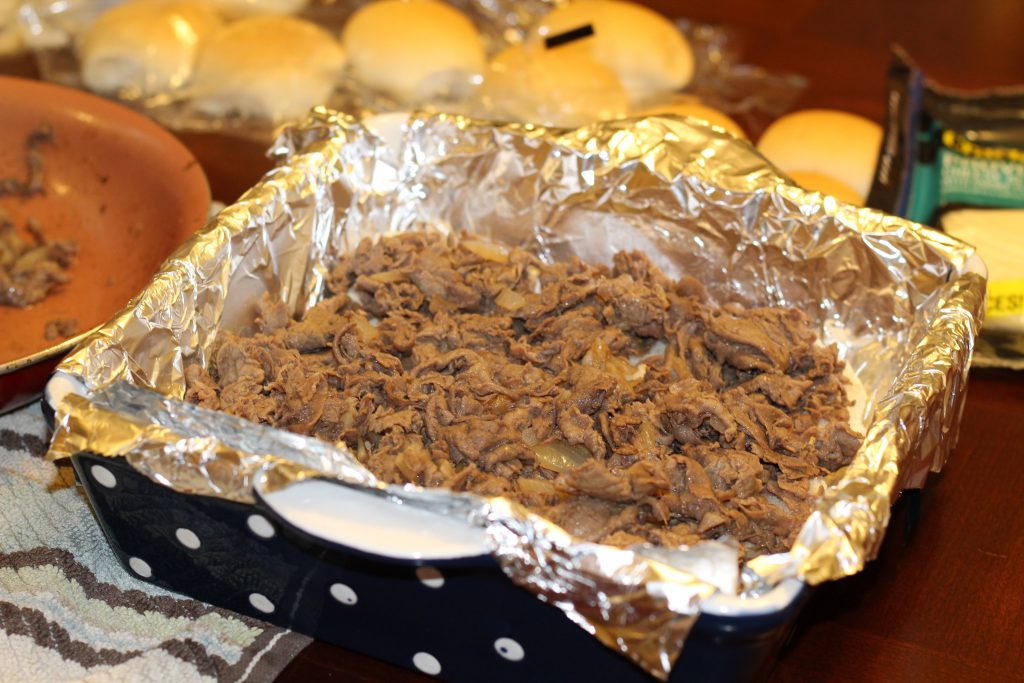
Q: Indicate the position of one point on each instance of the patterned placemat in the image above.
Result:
(70, 611)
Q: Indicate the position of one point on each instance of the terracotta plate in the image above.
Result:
(125, 189)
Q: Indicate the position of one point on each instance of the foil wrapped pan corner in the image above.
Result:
(902, 303)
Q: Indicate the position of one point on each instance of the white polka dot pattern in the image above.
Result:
(430, 577)
(343, 594)
(509, 649)
(260, 602)
(261, 526)
(427, 663)
(103, 476)
(187, 538)
(140, 567)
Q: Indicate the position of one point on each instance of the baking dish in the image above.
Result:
(193, 501)
(444, 608)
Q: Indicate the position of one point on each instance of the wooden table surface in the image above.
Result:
(947, 604)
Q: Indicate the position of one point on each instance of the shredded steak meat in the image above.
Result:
(30, 269)
(616, 402)
(33, 182)
(60, 328)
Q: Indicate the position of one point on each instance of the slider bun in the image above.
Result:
(268, 67)
(414, 50)
(822, 142)
(144, 47)
(649, 54)
(245, 8)
(696, 110)
(819, 182)
(554, 87)
(10, 36)
(10, 40)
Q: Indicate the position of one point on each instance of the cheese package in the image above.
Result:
(955, 160)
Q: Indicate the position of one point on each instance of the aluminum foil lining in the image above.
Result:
(901, 303)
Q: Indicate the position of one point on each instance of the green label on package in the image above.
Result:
(979, 175)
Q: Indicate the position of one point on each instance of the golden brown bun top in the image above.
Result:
(646, 51)
(414, 50)
(148, 45)
(270, 43)
(246, 8)
(268, 67)
(832, 143)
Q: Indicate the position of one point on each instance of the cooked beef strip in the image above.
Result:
(33, 183)
(31, 268)
(60, 328)
(616, 402)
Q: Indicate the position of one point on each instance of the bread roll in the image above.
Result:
(10, 35)
(647, 53)
(554, 87)
(144, 47)
(246, 8)
(822, 142)
(695, 110)
(413, 50)
(273, 68)
(819, 182)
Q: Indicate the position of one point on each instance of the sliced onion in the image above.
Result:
(510, 300)
(597, 354)
(499, 403)
(646, 441)
(536, 486)
(445, 467)
(364, 328)
(389, 276)
(403, 465)
(488, 252)
(560, 456)
(602, 358)
(623, 370)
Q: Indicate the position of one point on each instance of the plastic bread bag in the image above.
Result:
(955, 160)
(244, 67)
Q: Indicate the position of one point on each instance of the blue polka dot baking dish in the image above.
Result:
(294, 530)
(457, 617)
